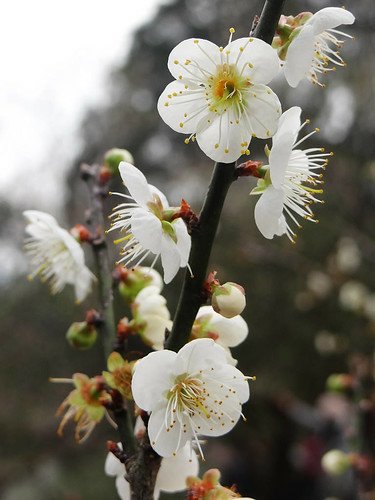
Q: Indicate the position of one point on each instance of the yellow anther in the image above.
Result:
(232, 30)
(226, 150)
(196, 41)
(181, 124)
(216, 146)
(186, 141)
(247, 152)
(175, 61)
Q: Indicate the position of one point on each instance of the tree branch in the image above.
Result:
(191, 297)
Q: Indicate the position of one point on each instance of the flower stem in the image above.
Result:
(191, 297)
(95, 219)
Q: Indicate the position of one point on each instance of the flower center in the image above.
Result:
(187, 396)
(226, 87)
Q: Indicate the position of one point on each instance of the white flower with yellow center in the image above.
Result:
(151, 225)
(171, 476)
(220, 95)
(55, 255)
(289, 186)
(194, 391)
(310, 52)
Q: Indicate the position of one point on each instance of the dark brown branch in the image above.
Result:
(203, 237)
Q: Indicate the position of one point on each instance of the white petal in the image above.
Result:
(290, 121)
(268, 212)
(203, 55)
(147, 229)
(123, 488)
(166, 442)
(299, 56)
(170, 258)
(37, 217)
(83, 282)
(263, 59)
(179, 105)
(231, 331)
(329, 18)
(163, 199)
(154, 331)
(279, 158)
(136, 183)
(263, 110)
(174, 470)
(151, 378)
(75, 249)
(222, 138)
(197, 355)
(183, 240)
(113, 466)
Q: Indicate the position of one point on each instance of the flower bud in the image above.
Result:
(114, 157)
(81, 335)
(228, 299)
(335, 462)
(132, 281)
(339, 382)
(80, 233)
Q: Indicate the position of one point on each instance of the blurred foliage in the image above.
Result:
(298, 335)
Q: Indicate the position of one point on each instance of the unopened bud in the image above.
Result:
(339, 382)
(80, 233)
(335, 462)
(228, 299)
(133, 281)
(81, 335)
(115, 156)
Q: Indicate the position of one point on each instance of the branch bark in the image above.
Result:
(191, 297)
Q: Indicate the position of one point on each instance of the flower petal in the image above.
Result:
(254, 58)
(170, 258)
(136, 183)
(231, 331)
(268, 212)
(299, 56)
(151, 378)
(197, 354)
(223, 138)
(174, 470)
(147, 229)
(263, 110)
(113, 466)
(328, 18)
(201, 56)
(165, 441)
(183, 241)
(182, 105)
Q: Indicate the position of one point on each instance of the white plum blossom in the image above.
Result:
(150, 311)
(289, 186)
(194, 391)
(310, 52)
(55, 255)
(151, 225)
(227, 332)
(220, 95)
(171, 476)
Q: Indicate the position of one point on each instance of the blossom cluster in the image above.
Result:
(221, 99)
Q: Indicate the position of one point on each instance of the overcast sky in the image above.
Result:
(55, 58)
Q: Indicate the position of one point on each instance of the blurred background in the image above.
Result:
(80, 78)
